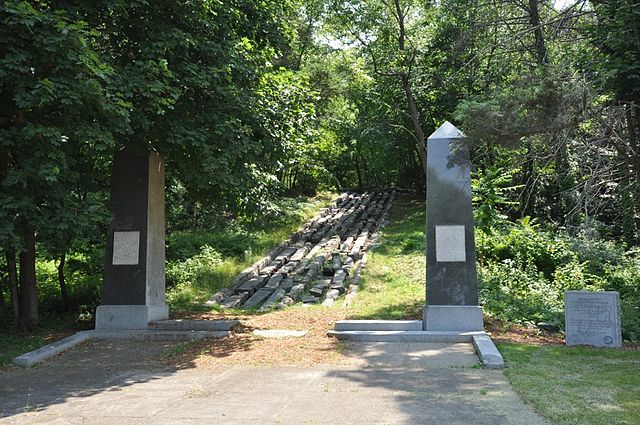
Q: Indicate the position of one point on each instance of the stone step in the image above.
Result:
(193, 325)
(378, 325)
(404, 336)
(487, 352)
(156, 335)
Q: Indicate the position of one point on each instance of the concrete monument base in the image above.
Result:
(123, 317)
(452, 318)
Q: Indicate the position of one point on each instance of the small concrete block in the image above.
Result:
(328, 302)
(453, 318)
(287, 284)
(309, 299)
(274, 282)
(235, 301)
(333, 294)
(286, 254)
(324, 283)
(48, 351)
(296, 292)
(261, 295)
(488, 353)
(269, 270)
(299, 254)
(279, 333)
(378, 325)
(273, 299)
(338, 287)
(253, 284)
(317, 291)
(286, 301)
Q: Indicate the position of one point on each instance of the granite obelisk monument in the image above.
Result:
(452, 288)
(134, 273)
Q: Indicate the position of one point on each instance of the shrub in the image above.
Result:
(524, 270)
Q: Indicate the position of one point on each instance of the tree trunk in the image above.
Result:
(358, 170)
(415, 119)
(534, 20)
(12, 269)
(28, 290)
(63, 285)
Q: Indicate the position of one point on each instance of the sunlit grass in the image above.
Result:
(393, 282)
(576, 385)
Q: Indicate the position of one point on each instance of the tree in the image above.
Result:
(58, 102)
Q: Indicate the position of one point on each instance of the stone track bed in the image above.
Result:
(318, 263)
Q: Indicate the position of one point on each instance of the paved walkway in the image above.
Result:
(126, 383)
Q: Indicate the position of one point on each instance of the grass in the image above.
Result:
(576, 385)
(393, 282)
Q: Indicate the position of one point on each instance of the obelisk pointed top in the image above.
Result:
(447, 131)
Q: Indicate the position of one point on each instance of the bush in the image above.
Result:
(525, 269)
(198, 270)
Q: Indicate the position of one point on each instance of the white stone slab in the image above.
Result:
(592, 318)
(279, 333)
(450, 246)
(126, 248)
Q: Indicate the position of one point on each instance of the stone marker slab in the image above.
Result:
(257, 298)
(450, 246)
(273, 299)
(126, 248)
(253, 284)
(235, 301)
(274, 282)
(279, 333)
(309, 299)
(592, 318)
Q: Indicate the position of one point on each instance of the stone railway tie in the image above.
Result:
(317, 262)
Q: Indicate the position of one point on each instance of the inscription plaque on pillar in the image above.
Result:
(126, 248)
(450, 244)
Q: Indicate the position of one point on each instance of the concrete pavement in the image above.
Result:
(113, 382)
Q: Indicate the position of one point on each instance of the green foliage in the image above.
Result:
(490, 196)
(524, 270)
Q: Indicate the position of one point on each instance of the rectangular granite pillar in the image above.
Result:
(134, 278)
(452, 288)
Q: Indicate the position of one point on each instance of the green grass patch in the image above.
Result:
(393, 282)
(13, 345)
(576, 385)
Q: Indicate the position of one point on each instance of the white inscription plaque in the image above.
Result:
(450, 244)
(126, 248)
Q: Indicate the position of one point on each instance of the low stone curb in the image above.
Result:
(488, 353)
(44, 353)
